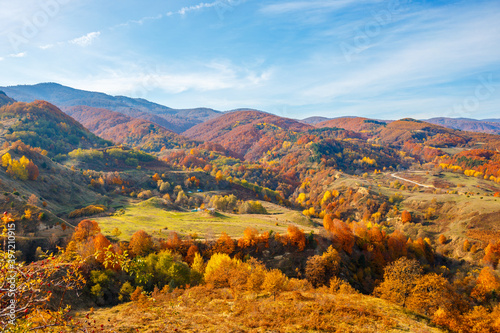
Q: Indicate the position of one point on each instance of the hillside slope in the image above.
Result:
(123, 129)
(41, 124)
(314, 120)
(472, 125)
(356, 124)
(212, 311)
(4, 99)
(62, 96)
(248, 133)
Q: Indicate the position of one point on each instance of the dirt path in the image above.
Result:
(410, 181)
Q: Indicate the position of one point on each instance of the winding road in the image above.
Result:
(410, 181)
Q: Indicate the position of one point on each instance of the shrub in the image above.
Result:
(252, 207)
(87, 211)
(125, 291)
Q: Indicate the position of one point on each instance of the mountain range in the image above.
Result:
(176, 120)
(181, 120)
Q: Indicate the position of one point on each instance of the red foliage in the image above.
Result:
(405, 216)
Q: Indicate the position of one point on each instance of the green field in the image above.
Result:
(156, 220)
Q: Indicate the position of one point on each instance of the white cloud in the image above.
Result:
(140, 21)
(86, 40)
(1, 58)
(18, 55)
(46, 47)
(199, 6)
(202, 78)
(183, 11)
(446, 51)
(296, 6)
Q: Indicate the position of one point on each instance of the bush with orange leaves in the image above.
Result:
(405, 216)
(296, 237)
(250, 238)
(492, 254)
(442, 239)
(396, 244)
(487, 286)
(141, 243)
(224, 244)
(478, 320)
(341, 233)
(85, 229)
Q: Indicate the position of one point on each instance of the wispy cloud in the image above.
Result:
(86, 40)
(202, 78)
(411, 57)
(18, 55)
(140, 21)
(183, 11)
(301, 6)
(46, 46)
(199, 6)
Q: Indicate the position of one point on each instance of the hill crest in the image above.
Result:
(244, 131)
(41, 124)
(122, 129)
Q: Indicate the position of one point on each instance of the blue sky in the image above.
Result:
(295, 58)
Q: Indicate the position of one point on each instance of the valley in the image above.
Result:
(247, 210)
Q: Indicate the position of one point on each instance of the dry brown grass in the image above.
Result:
(201, 309)
(484, 236)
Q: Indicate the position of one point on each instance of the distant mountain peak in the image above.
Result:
(177, 120)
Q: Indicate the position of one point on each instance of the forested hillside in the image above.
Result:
(126, 130)
(253, 222)
(41, 124)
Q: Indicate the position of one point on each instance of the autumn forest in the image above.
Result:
(120, 220)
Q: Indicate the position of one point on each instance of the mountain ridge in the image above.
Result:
(177, 120)
(122, 129)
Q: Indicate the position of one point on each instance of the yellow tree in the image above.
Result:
(487, 285)
(6, 160)
(220, 269)
(431, 292)
(218, 176)
(274, 282)
(400, 278)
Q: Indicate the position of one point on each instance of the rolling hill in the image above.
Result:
(248, 133)
(4, 99)
(119, 128)
(356, 124)
(491, 126)
(314, 120)
(41, 124)
(62, 96)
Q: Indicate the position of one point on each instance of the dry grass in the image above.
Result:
(201, 309)
(484, 236)
(153, 219)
